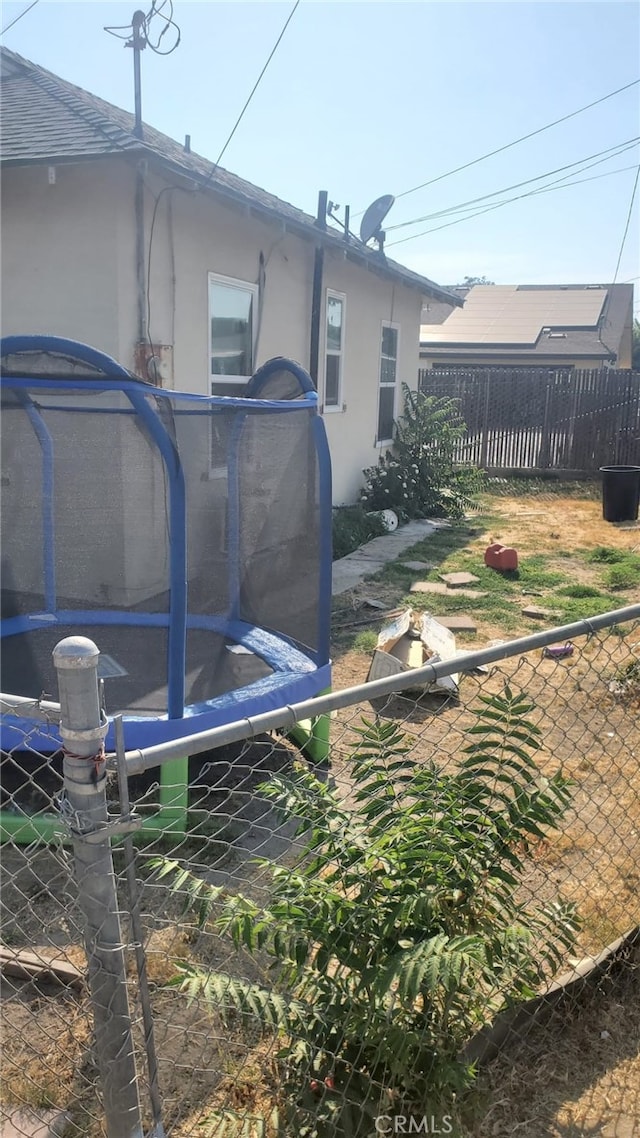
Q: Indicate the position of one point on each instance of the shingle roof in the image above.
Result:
(533, 322)
(45, 118)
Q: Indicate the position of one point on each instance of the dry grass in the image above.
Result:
(575, 1076)
(556, 523)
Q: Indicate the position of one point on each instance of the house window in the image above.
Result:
(334, 351)
(388, 377)
(232, 329)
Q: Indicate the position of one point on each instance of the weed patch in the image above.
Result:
(365, 641)
(605, 555)
(352, 527)
(579, 592)
(582, 608)
(624, 575)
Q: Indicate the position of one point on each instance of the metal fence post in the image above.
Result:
(82, 730)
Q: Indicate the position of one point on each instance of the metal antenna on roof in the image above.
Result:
(332, 212)
(137, 35)
(138, 42)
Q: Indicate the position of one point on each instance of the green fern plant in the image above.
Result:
(400, 930)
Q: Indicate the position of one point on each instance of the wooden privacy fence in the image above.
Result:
(542, 420)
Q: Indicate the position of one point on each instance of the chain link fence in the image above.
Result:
(436, 933)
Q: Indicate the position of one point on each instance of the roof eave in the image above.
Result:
(65, 159)
(302, 228)
(312, 232)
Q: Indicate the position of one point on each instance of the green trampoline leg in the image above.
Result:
(312, 736)
(171, 818)
(23, 830)
(174, 796)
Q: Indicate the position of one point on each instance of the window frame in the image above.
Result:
(240, 286)
(380, 442)
(338, 407)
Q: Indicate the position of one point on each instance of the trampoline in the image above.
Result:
(190, 537)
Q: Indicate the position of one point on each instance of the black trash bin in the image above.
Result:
(620, 493)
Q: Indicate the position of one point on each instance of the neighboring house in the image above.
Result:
(558, 326)
(116, 235)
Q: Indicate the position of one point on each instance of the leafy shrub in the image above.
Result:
(418, 477)
(352, 527)
(398, 932)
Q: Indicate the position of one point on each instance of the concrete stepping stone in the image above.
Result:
(458, 580)
(459, 622)
(429, 587)
(536, 613)
(443, 590)
(417, 566)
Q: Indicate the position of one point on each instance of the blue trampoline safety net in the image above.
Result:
(177, 523)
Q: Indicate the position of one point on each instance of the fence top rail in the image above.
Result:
(535, 371)
(42, 709)
(142, 759)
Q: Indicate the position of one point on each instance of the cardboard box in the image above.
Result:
(408, 643)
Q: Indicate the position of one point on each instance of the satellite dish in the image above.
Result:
(374, 216)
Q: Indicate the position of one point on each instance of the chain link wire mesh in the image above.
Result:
(450, 946)
(44, 1007)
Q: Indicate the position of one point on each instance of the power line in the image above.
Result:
(250, 97)
(169, 189)
(611, 152)
(507, 201)
(523, 138)
(474, 212)
(628, 222)
(256, 84)
(531, 193)
(516, 141)
(19, 16)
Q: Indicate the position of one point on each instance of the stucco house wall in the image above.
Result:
(352, 432)
(194, 236)
(60, 251)
(69, 269)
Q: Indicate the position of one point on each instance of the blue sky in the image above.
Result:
(368, 98)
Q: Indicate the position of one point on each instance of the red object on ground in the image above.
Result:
(501, 557)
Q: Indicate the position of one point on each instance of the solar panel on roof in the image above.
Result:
(503, 314)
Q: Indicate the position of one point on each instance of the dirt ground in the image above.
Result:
(575, 1076)
(579, 1075)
